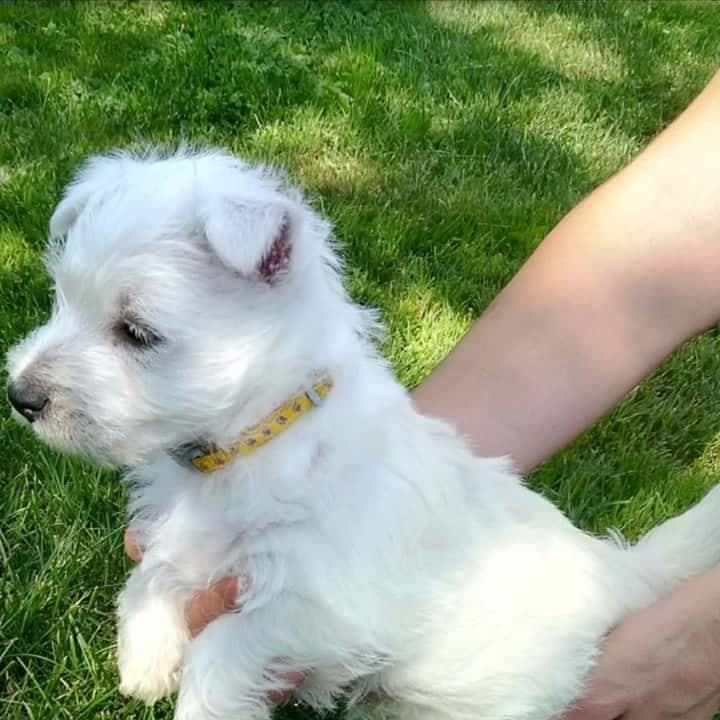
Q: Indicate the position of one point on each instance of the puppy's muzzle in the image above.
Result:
(28, 398)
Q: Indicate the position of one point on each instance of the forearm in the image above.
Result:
(625, 278)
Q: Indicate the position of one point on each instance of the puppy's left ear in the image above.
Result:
(69, 208)
(254, 239)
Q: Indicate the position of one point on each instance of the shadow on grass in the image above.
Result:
(386, 71)
(638, 32)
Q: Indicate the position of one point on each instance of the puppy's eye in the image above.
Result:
(137, 335)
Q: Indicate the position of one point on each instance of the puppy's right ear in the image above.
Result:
(69, 208)
(253, 237)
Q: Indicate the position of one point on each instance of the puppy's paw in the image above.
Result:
(215, 702)
(152, 639)
(223, 674)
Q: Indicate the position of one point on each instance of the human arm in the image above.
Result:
(626, 277)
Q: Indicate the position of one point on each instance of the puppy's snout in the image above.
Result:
(28, 398)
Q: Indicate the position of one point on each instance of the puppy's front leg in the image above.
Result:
(227, 673)
(152, 636)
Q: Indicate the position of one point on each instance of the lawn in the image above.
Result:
(443, 139)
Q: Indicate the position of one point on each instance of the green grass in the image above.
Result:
(443, 139)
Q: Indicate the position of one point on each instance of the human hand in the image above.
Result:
(208, 605)
(662, 662)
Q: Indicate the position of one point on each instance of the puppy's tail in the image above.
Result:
(686, 545)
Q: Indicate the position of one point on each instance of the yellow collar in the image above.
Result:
(208, 457)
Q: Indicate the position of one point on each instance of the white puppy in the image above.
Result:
(196, 296)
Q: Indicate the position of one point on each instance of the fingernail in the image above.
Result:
(133, 549)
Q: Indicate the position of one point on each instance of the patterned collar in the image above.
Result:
(208, 457)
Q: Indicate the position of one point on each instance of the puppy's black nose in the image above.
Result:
(28, 399)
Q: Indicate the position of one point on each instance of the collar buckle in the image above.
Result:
(185, 454)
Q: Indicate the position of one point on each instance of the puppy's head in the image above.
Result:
(183, 286)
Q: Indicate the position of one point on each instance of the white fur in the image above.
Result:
(381, 554)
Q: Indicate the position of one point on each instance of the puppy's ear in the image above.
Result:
(97, 175)
(253, 238)
(68, 209)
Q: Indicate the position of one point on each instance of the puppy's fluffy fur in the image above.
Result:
(381, 554)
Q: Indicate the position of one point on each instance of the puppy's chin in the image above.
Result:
(79, 436)
(66, 440)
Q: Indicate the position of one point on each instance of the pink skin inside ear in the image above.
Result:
(277, 257)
